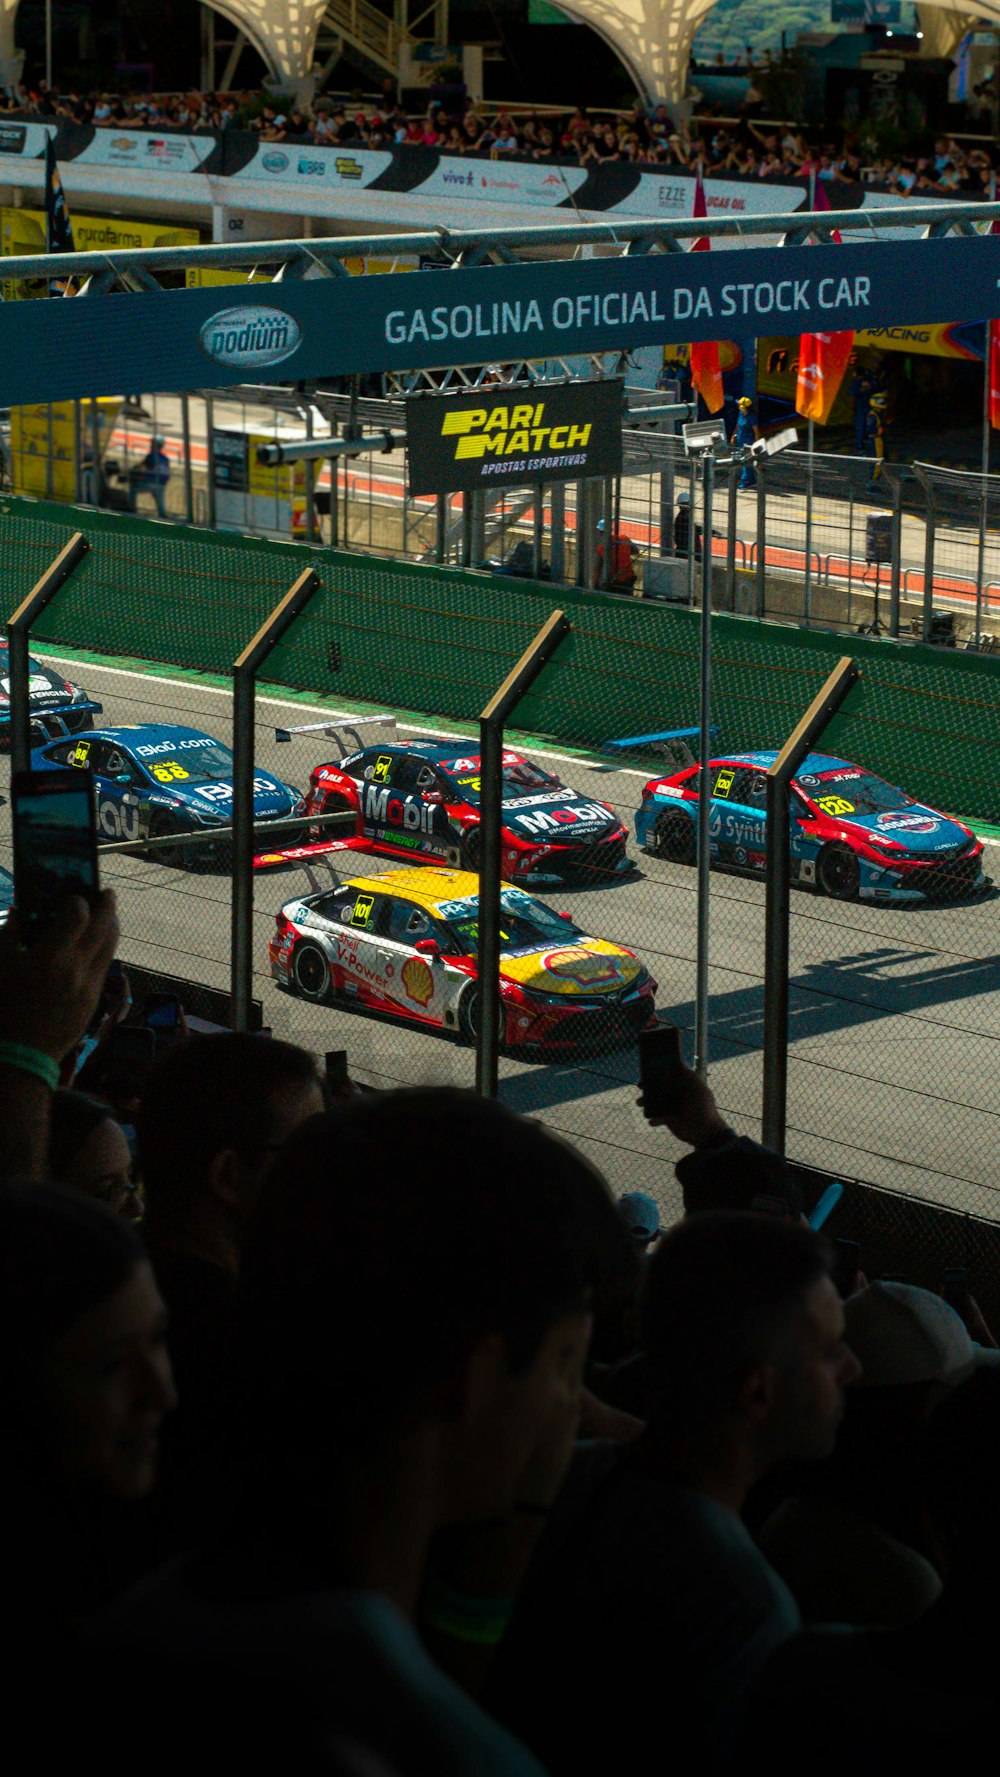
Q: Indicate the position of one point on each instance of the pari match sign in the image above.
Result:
(187, 339)
(498, 437)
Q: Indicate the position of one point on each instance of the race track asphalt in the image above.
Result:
(894, 1013)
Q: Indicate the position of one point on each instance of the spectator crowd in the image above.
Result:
(647, 136)
(367, 1433)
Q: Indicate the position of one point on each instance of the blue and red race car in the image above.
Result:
(853, 835)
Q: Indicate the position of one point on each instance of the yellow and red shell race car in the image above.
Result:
(405, 944)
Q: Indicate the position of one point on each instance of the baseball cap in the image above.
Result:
(640, 1214)
(902, 1334)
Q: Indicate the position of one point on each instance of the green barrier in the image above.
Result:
(440, 640)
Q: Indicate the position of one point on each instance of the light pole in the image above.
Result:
(706, 439)
(48, 44)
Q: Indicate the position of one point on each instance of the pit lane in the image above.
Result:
(895, 1033)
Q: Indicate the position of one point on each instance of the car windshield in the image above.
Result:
(853, 791)
(191, 762)
(525, 924)
(520, 778)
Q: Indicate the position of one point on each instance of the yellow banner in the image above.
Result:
(936, 340)
(23, 231)
(358, 265)
(40, 433)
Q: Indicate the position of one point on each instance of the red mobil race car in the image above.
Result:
(421, 798)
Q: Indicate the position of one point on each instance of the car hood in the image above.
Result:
(589, 966)
(921, 830)
(562, 817)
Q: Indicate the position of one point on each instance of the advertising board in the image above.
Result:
(498, 437)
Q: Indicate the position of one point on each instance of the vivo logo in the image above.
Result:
(250, 337)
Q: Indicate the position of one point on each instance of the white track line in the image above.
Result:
(319, 709)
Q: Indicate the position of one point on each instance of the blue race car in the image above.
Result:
(56, 706)
(6, 895)
(156, 780)
(853, 835)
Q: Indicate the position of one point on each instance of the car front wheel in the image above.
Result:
(839, 873)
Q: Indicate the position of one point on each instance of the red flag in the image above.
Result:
(823, 357)
(706, 372)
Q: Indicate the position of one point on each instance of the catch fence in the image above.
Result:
(893, 1008)
(829, 542)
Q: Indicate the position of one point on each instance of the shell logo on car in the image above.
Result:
(574, 968)
(418, 981)
(581, 967)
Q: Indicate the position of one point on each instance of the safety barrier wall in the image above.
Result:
(438, 640)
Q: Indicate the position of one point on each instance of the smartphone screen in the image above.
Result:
(55, 841)
(162, 1012)
(660, 1069)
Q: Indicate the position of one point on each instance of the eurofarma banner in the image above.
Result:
(496, 437)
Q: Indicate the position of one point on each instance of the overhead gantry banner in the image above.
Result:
(162, 340)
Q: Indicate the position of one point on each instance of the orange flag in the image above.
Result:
(706, 372)
(823, 357)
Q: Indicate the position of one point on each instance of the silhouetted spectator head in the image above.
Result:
(88, 1150)
(963, 1469)
(742, 1175)
(641, 1216)
(424, 1263)
(745, 1336)
(214, 1113)
(904, 1336)
(85, 1378)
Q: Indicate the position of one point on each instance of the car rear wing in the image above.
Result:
(345, 728)
(318, 849)
(669, 743)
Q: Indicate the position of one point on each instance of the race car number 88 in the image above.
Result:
(167, 771)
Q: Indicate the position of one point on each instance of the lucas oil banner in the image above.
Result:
(497, 436)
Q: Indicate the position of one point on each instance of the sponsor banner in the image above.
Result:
(185, 339)
(43, 446)
(24, 231)
(502, 182)
(24, 139)
(306, 165)
(497, 437)
(167, 153)
(250, 496)
(948, 339)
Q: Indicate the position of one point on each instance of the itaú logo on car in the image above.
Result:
(250, 336)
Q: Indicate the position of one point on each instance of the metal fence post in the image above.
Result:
(557, 498)
(731, 540)
(761, 541)
(19, 627)
(209, 436)
(896, 545)
(778, 871)
(704, 788)
(537, 529)
(692, 574)
(440, 526)
(186, 440)
(245, 671)
(491, 726)
(930, 528)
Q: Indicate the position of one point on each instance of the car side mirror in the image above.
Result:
(428, 947)
(123, 777)
(568, 916)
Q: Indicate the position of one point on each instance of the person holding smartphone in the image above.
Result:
(724, 1170)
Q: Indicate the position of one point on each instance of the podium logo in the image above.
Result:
(250, 337)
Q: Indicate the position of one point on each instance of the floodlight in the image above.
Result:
(784, 440)
(702, 435)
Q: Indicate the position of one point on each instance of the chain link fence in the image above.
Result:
(893, 1019)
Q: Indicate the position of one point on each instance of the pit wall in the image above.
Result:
(440, 640)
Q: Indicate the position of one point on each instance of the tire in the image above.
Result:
(471, 849)
(674, 837)
(173, 857)
(334, 804)
(311, 973)
(468, 1017)
(838, 873)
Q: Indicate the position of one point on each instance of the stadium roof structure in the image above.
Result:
(282, 31)
(653, 37)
